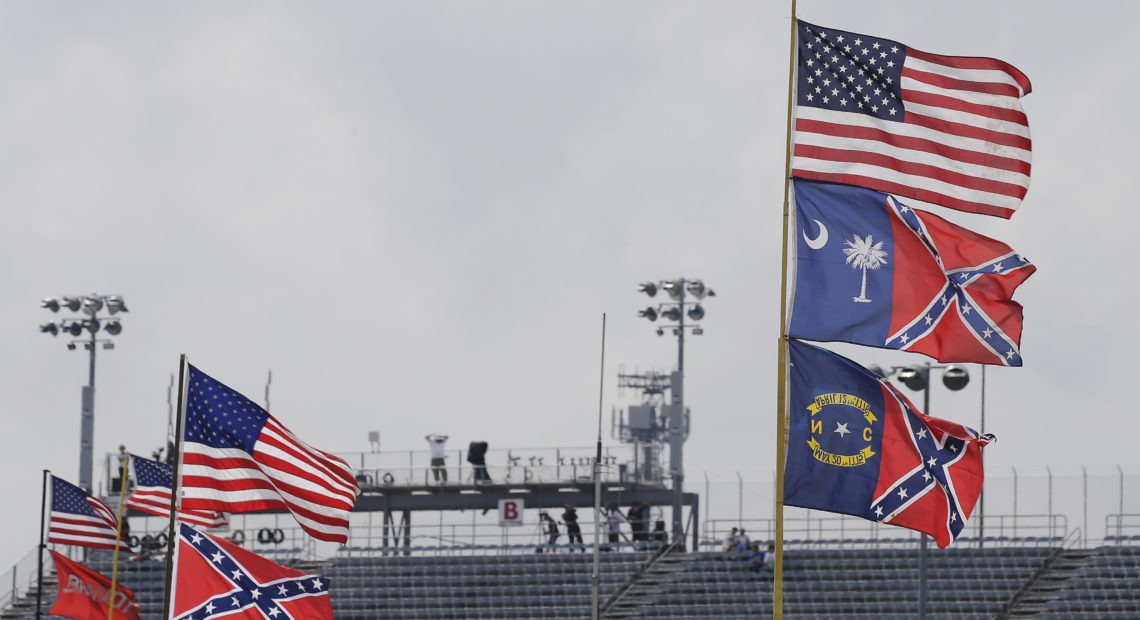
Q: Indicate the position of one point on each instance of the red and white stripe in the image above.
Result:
(964, 142)
(99, 532)
(282, 473)
(156, 501)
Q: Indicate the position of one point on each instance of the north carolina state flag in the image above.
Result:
(215, 578)
(857, 446)
(85, 594)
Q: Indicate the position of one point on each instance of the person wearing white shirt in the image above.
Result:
(438, 456)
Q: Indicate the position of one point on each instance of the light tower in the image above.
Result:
(88, 308)
(674, 311)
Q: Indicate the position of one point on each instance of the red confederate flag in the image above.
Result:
(84, 593)
(215, 578)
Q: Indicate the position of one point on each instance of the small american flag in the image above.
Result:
(152, 494)
(238, 458)
(948, 130)
(79, 519)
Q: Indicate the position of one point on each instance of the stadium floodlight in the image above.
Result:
(88, 319)
(92, 304)
(649, 313)
(955, 377)
(115, 304)
(912, 378)
(675, 311)
(698, 289)
(648, 288)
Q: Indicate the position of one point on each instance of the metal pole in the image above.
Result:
(982, 494)
(1049, 472)
(41, 548)
(87, 422)
(706, 529)
(676, 420)
(1014, 500)
(739, 500)
(1085, 527)
(596, 575)
(923, 552)
(1120, 519)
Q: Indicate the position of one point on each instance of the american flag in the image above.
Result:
(948, 130)
(238, 458)
(152, 494)
(79, 519)
(215, 578)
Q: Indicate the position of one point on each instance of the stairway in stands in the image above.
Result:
(1035, 596)
(642, 587)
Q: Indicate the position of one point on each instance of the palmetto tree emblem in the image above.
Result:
(864, 254)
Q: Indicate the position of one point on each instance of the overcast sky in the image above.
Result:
(416, 214)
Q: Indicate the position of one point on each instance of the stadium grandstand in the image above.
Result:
(421, 549)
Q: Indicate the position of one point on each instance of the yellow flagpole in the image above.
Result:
(782, 344)
(118, 539)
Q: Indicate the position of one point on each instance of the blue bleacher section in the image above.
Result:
(1107, 586)
(849, 582)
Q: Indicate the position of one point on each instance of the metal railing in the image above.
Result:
(21, 577)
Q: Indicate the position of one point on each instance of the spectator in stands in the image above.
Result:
(552, 532)
(730, 540)
(573, 530)
(743, 543)
(148, 547)
(477, 456)
(769, 561)
(638, 516)
(614, 521)
(756, 559)
(436, 442)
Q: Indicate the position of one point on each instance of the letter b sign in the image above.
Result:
(511, 512)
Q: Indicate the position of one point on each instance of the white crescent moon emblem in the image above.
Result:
(819, 241)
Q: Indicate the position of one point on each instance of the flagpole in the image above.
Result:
(43, 545)
(595, 611)
(782, 344)
(175, 478)
(118, 538)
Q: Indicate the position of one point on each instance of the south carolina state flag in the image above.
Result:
(872, 271)
(857, 446)
(218, 579)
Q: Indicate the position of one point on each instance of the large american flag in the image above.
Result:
(947, 130)
(152, 494)
(79, 519)
(238, 458)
